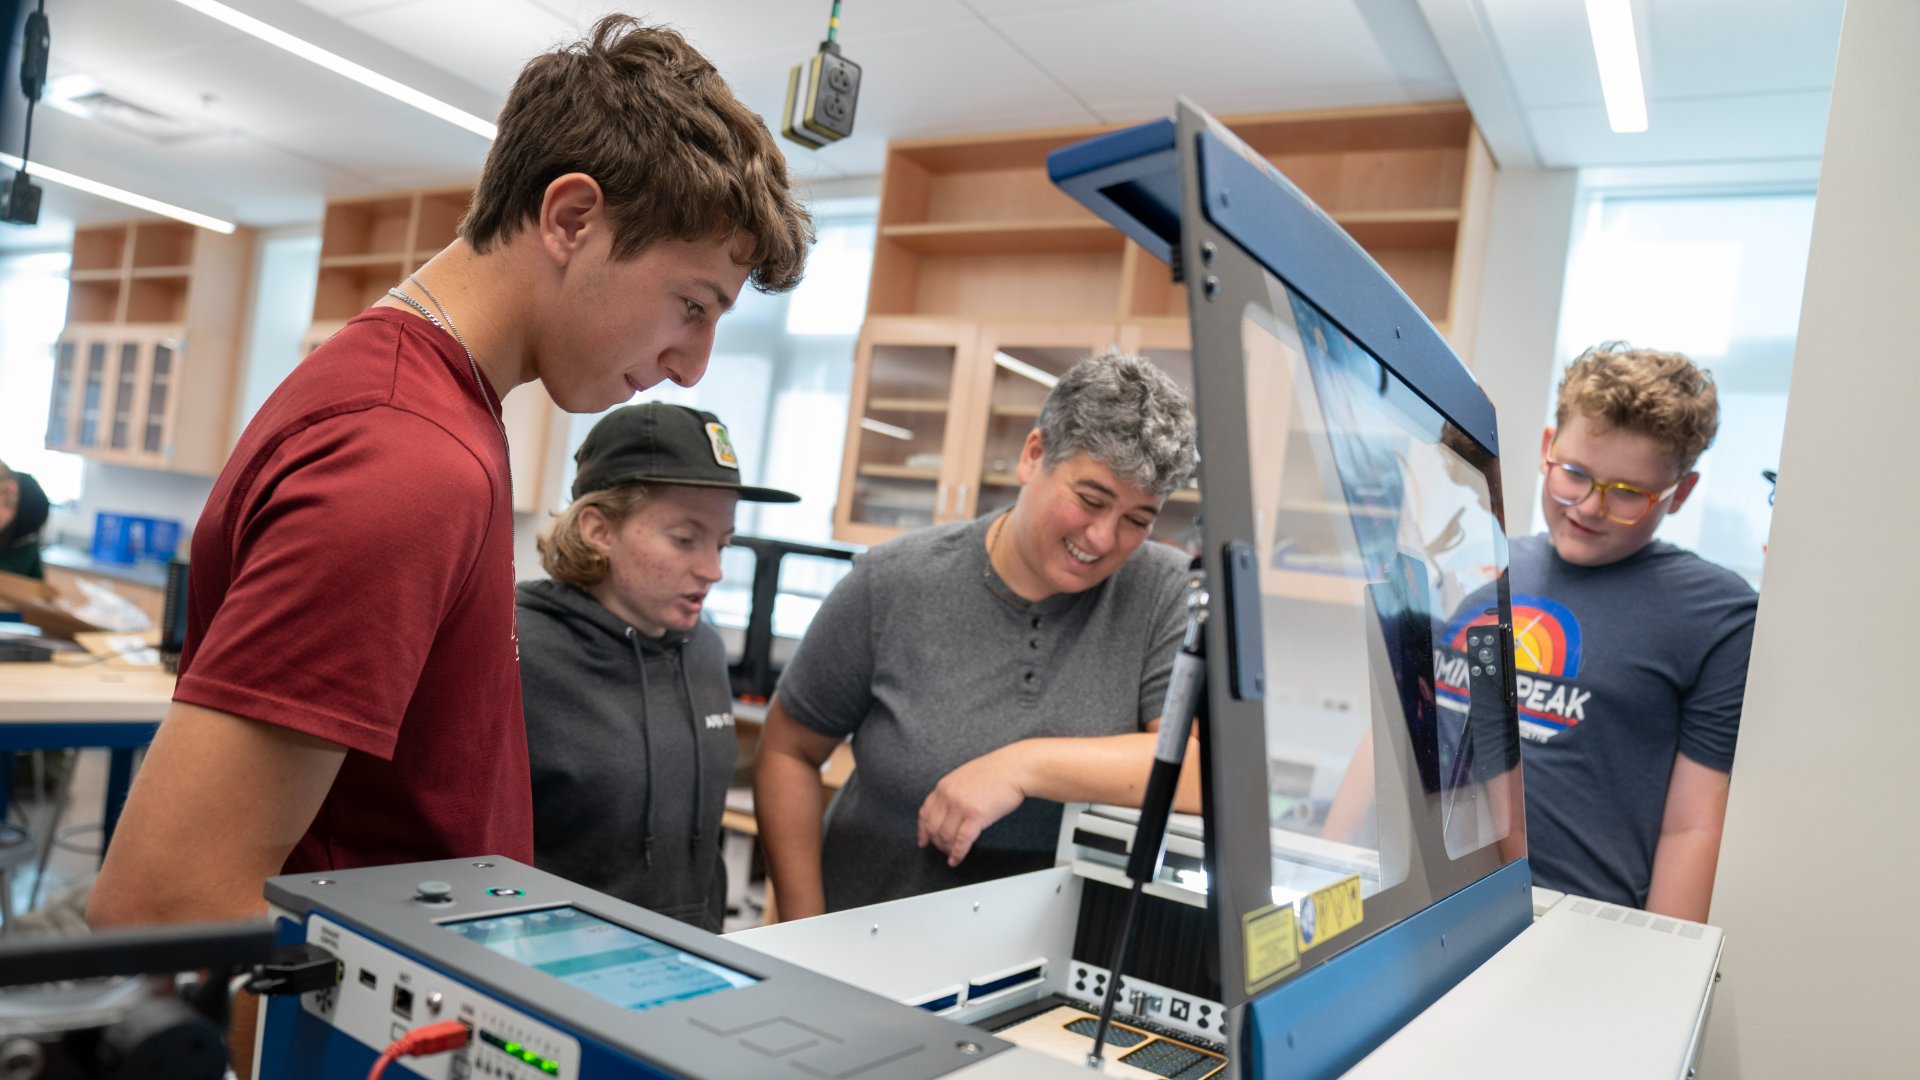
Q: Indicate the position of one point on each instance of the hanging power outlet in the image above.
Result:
(822, 95)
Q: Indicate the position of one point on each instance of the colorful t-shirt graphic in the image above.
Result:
(1546, 661)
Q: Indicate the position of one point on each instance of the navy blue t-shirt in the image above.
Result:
(1620, 667)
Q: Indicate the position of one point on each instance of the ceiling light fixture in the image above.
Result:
(40, 171)
(340, 65)
(1611, 23)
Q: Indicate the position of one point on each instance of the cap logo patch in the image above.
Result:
(722, 446)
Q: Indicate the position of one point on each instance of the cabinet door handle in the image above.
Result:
(940, 502)
(960, 502)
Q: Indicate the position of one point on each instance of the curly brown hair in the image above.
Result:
(677, 156)
(565, 553)
(1662, 395)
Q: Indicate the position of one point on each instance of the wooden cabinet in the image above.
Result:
(144, 370)
(906, 448)
(987, 280)
(370, 244)
(1015, 365)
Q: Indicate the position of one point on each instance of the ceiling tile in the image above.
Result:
(917, 83)
(482, 43)
(1548, 50)
(392, 155)
(1744, 128)
(346, 9)
(1713, 47)
(993, 10)
(245, 84)
(1236, 56)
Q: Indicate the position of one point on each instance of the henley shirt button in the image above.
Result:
(1029, 676)
(1034, 644)
(1036, 622)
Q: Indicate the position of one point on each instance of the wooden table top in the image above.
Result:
(57, 693)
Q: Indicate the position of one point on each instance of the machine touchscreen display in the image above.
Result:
(604, 959)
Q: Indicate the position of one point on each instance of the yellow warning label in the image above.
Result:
(1272, 945)
(1327, 913)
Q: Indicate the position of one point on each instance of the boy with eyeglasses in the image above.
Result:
(1631, 653)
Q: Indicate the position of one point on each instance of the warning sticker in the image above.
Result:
(1327, 913)
(1272, 945)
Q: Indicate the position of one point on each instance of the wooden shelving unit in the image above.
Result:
(370, 244)
(977, 253)
(144, 370)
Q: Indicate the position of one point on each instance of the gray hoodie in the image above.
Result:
(632, 745)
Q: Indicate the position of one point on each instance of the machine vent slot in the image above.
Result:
(994, 984)
(1164, 1058)
(1612, 914)
(1116, 1036)
(1585, 907)
(941, 1003)
(1636, 918)
(1176, 945)
(1662, 926)
(1692, 931)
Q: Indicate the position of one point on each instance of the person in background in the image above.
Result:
(1630, 723)
(629, 709)
(23, 513)
(989, 671)
(348, 690)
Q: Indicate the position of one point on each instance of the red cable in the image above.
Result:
(420, 1042)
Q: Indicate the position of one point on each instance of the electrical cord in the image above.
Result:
(26, 143)
(422, 1041)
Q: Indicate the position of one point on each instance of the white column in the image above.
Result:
(1817, 880)
(1520, 290)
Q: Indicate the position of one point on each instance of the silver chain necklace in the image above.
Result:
(445, 322)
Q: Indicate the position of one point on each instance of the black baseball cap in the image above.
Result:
(657, 443)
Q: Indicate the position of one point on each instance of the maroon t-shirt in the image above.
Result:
(353, 580)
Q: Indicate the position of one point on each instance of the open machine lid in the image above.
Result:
(1361, 746)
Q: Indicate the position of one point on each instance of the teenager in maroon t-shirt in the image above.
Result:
(348, 692)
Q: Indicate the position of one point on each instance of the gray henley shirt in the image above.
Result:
(928, 660)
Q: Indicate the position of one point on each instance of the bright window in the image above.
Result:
(33, 307)
(1717, 277)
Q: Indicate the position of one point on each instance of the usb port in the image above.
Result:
(368, 979)
(402, 1002)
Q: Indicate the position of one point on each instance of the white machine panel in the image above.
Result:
(957, 943)
(1591, 991)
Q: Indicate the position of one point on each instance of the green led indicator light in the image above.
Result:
(529, 1057)
(550, 1067)
(512, 1048)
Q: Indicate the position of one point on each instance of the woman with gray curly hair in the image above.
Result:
(992, 669)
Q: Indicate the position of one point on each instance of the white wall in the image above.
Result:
(1514, 357)
(1817, 872)
(286, 270)
(526, 527)
(122, 489)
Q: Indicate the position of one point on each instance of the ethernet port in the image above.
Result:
(402, 1002)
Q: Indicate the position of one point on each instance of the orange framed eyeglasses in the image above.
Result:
(1621, 502)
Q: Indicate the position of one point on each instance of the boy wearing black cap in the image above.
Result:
(629, 710)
